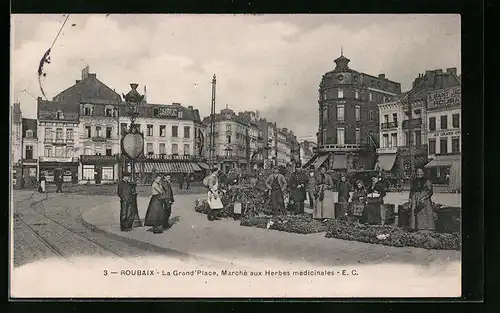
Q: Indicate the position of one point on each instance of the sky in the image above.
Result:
(269, 63)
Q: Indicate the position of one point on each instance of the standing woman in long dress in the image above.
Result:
(43, 181)
(375, 199)
(155, 213)
(422, 212)
(213, 197)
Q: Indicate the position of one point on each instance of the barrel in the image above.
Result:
(448, 219)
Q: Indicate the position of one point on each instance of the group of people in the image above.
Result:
(358, 203)
(42, 183)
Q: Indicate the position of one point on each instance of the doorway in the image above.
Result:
(98, 175)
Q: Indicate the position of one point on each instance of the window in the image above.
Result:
(340, 136)
(108, 112)
(325, 114)
(356, 94)
(123, 128)
(109, 131)
(107, 173)
(59, 152)
(138, 127)
(358, 113)
(432, 146)
(228, 127)
(88, 110)
(88, 172)
(340, 112)
(358, 136)
(88, 131)
(187, 150)
(383, 99)
(385, 140)
(187, 131)
(48, 152)
(175, 149)
(179, 114)
(149, 148)
(394, 139)
(443, 146)
(386, 118)
(29, 133)
(455, 120)
(418, 138)
(370, 116)
(175, 130)
(163, 132)
(48, 133)
(340, 93)
(407, 139)
(69, 152)
(109, 152)
(370, 95)
(149, 130)
(60, 115)
(59, 133)
(87, 151)
(395, 117)
(163, 150)
(69, 133)
(98, 131)
(29, 152)
(432, 123)
(444, 121)
(324, 136)
(455, 145)
(98, 150)
(228, 139)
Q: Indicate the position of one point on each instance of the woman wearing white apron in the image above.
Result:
(41, 187)
(213, 197)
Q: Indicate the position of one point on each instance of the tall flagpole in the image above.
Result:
(212, 123)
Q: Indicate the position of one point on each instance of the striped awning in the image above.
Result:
(167, 168)
(319, 161)
(195, 167)
(443, 161)
(204, 165)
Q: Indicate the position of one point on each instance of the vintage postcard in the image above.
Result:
(235, 156)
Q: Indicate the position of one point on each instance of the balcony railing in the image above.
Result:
(58, 141)
(336, 147)
(101, 138)
(59, 159)
(389, 125)
(85, 158)
(415, 122)
(29, 161)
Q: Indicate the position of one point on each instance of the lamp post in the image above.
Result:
(132, 143)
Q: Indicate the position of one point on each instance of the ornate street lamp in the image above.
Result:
(132, 143)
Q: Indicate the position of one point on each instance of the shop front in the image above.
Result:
(65, 166)
(177, 170)
(446, 170)
(99, 169)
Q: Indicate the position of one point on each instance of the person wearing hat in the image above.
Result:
(125, 193)
(358, 202)
(297, 184)
(375, 199)
(168, 200)
(344, 188)
(324, 182)
(311, 188)
(276, 184)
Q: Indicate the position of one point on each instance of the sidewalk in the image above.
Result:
(227, 241)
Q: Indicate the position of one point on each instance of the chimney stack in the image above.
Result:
(145, 93)
(85, 72)
(381, 76)
(452, 70)
(439, 71)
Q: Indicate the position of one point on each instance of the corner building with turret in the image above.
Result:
(348, 117)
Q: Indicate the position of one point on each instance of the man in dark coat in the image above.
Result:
(125, 192)
(344, 188)
(58, 180)
(168, 200)
(297, 184)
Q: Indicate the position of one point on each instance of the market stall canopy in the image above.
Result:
(319, 161)
(339, 161)
(195, 167)
(204, 165)
(443, 160)
(386, 161)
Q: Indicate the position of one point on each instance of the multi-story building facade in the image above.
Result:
(255, 138)
(16, 141)
(293, 143)
(171, 139)
(58, 144)
(307, 151)
(444, 135)
(394, 154)
(284, 151)
(30, 151)
(348, 117)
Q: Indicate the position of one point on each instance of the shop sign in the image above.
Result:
(444, 98)
(58, 159)
(446, 133)
(167, 112)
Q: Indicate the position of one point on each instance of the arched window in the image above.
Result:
(88, 110)
(108, 111)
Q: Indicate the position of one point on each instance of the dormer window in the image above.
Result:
(88, 110)
(60, 115)
(179, 114)
(29, 133)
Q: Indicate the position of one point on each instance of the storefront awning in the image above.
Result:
(319, 161)
(167, 168)
(443, 160)
(195, 167)
(339, 161)
(385, 162)
(204, 165)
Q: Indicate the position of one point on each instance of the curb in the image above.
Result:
(145, 245)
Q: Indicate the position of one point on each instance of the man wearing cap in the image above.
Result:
(125, 193)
